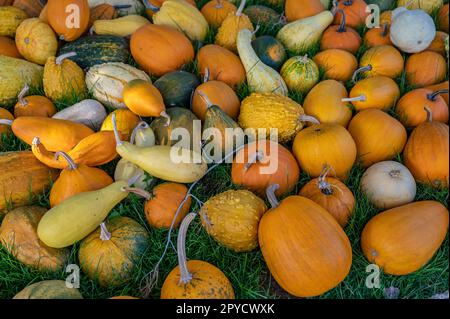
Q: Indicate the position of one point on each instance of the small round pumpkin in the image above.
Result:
(34, 105)
(110, 253)
(270, 51)
(355, 11)
(388, 184)
(425, 68)
(375, 37)
(300, 74)
(215, 11)
(337, 64)
(382, 60)
(48, 289)
(60, 15)
(232, 218)
(325, 144)
(341, 37)
(36, 41)
(126, 122)
(8, 47)
(254, 167)
(378, 136)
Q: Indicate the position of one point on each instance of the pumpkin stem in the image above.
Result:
(6, 122)
(433, 96)
(150, 6)
(361, 98)
(69, 160)
(360, 70)
(343, 21)
(141, 126)
(219, 4)
(206, 99)
(252, 159)
(305, 58)
(334, 7)
(394, 173)
(22, 93)
(324, 186)
(139, 191)
(308, 118)
(185, 275)
(105, 235)
(62, 57)
(256, 30)
(134, 179)
(116, 132)
(207, 75)
(385, 29)
(166, 116)
(241, 8)
(270, 193)
(348, 2)
(429, 114)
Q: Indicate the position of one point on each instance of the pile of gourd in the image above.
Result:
(134, 68)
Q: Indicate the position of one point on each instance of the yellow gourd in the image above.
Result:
(10, 18)
(120, 27)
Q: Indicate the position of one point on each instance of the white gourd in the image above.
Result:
(88, 112)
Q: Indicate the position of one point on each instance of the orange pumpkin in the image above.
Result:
(411, 107)
(160, 49)
(77, 179)
(68, 18)
(34, 105)
(215, 11)
(375, 36)
(425, 68)
(325, 144)
(102, 12)
(390, 239)
(341, 37)
(378, 92)
(299, 9)
(143, 99)
(440, 87)
(336, 64)
(223, 65)
(324, 102)
(331, 194)
(427, 153)
(381, 60)
(355, 10)
(32, 7)
(126, 122)
(8, 48)
(438, 44)
(305, 249)
(253, 168)
(5, 115)
(443, 18)
(377, 135)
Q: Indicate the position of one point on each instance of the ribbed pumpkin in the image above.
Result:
(425, 68)
(69, 18)
(266, 111)
(34, 105)
(32, 7)
(111, 253)
(336, 64)
(107, 81)
(263, 163)
(18, 234)
(331, 194)
(215, 11)
(223, 65)
(194, 279)
(411, 107)
(160, 49)
(299, 9)
(324, 102)
(376, 36)
(399, 252)
(377, 135)
(48, 289)
(36, 41)
(310, 253)
(11, 18)
(325, 145)
(63, 79)
(177, 87)
(341, 37)
(427, 153)
(126, 122)
(355, 11)
(378, 92)
(300, 74)
(382, 60)
(8, 48)
(232, 219)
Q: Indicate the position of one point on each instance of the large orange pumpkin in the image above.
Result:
(68, 18)
(299, 9)
(378, 136)
(336, 64)
(305, 249)
(254, 167)
(402, 240)
(325, 145)
(160, 49)
(341, 37)
(427, 153)
(381, 60)
(425, 68)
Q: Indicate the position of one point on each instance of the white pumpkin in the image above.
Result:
(106, 82)
(388, 184)
(412, 31)
(426, 5)
(135, 6)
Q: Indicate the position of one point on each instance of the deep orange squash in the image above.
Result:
(34, 105)
(375, 37)
(60, 12)
(8, 48)
(337, 64)
(341, 37)
(126, 122)
(425, 68)
(382, 60)
(143, 99)
(438, 44)
(215, 11)
(299, 9)
(355, 10)
(443, 18)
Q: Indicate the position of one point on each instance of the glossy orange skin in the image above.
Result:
(160, 210)
(338, 200)
(36, 105)
(355, 12)
(411, 108)
(338, 65)
(5, 115)
(160, 49)
(427, 154)
(440, 86)
(223, 65)
(381, 93)
(443, 18)
(126, 122)
(348, 40)
(143, 98)
(324, 102)
(216, 11)
(254, 179)
(57, 14)
(438, 44)
(420, 228)
(208, 282)
(305, 249)
(8, 48)
(299, 9)
(220, 94)
(425, 68)
(384, 59)
(374, 37)
(325, 144)
(377, 135)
